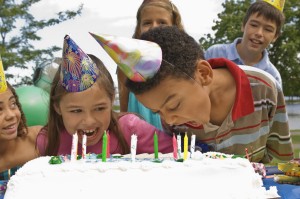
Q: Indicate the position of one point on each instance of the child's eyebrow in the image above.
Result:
(11, 98)
(167, 100)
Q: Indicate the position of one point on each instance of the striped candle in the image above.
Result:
(83, 154)
(74, 147)
(179, 145)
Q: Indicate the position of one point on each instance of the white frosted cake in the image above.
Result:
(200, 177)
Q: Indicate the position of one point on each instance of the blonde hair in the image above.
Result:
(165, 4)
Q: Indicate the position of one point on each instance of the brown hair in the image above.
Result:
(268, 11)
(166, 4)
(55, 123)
(22, 128)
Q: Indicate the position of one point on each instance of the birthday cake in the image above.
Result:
(212, 175)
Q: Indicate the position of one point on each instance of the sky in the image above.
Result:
(115, 17)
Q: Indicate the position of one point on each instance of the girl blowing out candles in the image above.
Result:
(81, 101)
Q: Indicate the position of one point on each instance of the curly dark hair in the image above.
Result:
(180, 52)
(22, 128)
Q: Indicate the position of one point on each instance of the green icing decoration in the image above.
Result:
(117, 156)
(180, 160)
(55, 160)
(156, 160)
(99, 156)
(238, 156)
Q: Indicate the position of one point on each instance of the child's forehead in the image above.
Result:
(262, 16)
(97, 90)
(6, 95)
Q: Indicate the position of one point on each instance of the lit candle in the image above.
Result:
(83, 146)
(155, 146)
(108, 145)
(193, 142)
(175, 148)
(179, 145)
(104, 146)
(185, 146)
(133, 147)
(74, 147)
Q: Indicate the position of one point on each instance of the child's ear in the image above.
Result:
(113, 100)
(242, 27)
(57, 109)
(204, 72)
(275, 38)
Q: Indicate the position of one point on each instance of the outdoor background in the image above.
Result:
(32, 32)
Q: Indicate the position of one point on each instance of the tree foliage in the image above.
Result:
(284, 53)
(18, 29)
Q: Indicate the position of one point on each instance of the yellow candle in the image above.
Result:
(185, 146)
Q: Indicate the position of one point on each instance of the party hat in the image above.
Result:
(138, 59)
(78, 71)
(3, 85)
(279, 4)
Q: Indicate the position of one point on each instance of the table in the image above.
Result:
(2, 187)
(286, 191)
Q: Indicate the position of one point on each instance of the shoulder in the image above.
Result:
(217, 50)
(33, 131)
(129, 118)
(130, 122)
(262, 82)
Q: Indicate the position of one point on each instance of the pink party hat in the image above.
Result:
(138, 59)
(78, 71)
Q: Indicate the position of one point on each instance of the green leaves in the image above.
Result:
(18, 30)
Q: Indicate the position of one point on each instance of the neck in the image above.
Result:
(249, 58)
(222, 95)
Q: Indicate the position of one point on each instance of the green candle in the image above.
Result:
(104, 146)
(155, 146)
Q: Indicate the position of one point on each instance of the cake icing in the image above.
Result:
(204, 176)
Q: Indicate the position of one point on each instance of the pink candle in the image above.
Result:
(108, 145)
(83, 154)
(175, 147)
(247, 155)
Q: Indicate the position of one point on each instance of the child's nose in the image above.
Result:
(89, 119)
(259, 32)
(9, 114)
(169, 118)
(154, 24)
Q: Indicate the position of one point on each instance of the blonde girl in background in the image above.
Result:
(151, 13)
